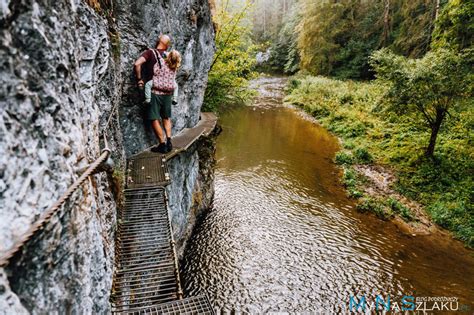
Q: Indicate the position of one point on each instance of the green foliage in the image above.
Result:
(400, 209)
(293, 83)
(369, 204)
(233, 62)
(363, 156)
(322, 22)
(269, 17)
(455, 216)
(350, 181)
(343, 158)
(348, 145)
(430, 86)
(444, 184)
(336, 38)
(284, 55)
(412, 25)
(455, 26)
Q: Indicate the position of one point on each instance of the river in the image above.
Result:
(283, 237)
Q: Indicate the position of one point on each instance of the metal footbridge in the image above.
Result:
(146, 278)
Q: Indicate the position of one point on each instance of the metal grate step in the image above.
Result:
(145, 272)
(146, 170)
(193, 305)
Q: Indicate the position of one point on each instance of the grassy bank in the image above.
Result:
(373, 136)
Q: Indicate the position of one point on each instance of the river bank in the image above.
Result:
(382, 157)
(282, 235)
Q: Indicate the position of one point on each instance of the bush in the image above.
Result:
(350, 182)
(348, 145)
(372, 205)
(400, 209)
(455, 216)
(293, 84)
(363, 156)
(346, 99)
(342, 158)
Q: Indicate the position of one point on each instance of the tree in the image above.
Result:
(336, 38)
(284, 55)
(413, 26)
(321, 24)
(233, 61)
(430, 87)
(386, 22)
(455, 26)
(268, 16)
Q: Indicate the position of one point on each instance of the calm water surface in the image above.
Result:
(282, 236)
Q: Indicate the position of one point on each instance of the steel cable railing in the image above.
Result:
(46, 216)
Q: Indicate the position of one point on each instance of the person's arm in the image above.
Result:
(138, 70)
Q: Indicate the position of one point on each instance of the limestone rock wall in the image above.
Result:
(191, 191)
(189, 24)
(57, 89)
(65, 79)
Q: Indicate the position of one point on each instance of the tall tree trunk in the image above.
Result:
(386, 23)
(440, 113)
(436, 10)
(434, 17)
(264, 20)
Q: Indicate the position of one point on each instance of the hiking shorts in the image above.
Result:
(160, 106)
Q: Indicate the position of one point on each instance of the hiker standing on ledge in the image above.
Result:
(159, 74)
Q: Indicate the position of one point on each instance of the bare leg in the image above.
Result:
(158, 131)
(167, 125)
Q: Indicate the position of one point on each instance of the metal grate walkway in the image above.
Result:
(147, 169)
(146, 278)
(146, 271)
(193, 305)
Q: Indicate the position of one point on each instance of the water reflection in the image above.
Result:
(282, 236)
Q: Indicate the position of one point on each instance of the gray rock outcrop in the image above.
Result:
(65, 80)
(191, 191)
(189, 24)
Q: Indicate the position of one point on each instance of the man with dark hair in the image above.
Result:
(144, 66)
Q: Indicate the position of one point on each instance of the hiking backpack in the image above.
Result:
(163, 76)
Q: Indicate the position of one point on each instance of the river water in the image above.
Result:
(282, 236)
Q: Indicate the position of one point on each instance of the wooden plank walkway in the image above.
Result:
(183, 140)
(146, 277)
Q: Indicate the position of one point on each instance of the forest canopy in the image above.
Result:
(392, 78)
(335, 38)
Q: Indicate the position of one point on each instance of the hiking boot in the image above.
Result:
(169, 145)
(161, 148)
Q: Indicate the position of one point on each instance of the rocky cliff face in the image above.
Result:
(65, 80)
(192, 188)
(189, 24)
